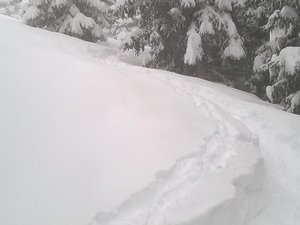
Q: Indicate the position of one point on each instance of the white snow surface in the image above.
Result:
(79, 134)
(290, 58)
(83, 131)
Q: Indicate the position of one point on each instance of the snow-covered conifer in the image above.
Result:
(188, 32)
(194, 50)
(280, 63)
(12, 7)
(84, 19)
(122, 25)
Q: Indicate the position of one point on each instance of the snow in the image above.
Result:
(227, 4)
(194, 51)
(234, 49)
(5, 1)
(98, 32)
(277, 33)
(290, 58)
(59, 3)
(258, 12)
(235, 44)
(289, 12)
(295, 102)
(99, 5)
(224, 4)
(79, 134)
(277, 18)
(188, 3)
(206, 27)
(80, 21)
(31, 13)
(269, 92)
(83, 132)
(259, 61)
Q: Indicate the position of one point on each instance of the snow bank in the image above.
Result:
(260, 192)
(79, 134)
(83, 133)
(279, 141)
(212, 186)
(221, 183)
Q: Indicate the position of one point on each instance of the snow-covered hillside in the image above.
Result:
(82, 131)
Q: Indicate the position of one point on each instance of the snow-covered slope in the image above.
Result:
(78, 135)
(81, 132)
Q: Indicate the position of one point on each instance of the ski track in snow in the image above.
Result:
(225, 174)
(281, 182)
(265, 191)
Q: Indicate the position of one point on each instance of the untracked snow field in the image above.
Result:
(88, 138)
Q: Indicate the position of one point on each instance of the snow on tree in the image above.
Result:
(294, 103)
(12, 8)
(122, 26)
(188, 3)
(281, 24)
(285, 79)
(194, 50)
(210, 20)
(276, 64)
(84, 19)
(189, 33)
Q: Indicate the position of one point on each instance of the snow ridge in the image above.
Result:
(215, 185)
(278, 143)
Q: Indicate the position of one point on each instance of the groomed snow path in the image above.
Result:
(81, 131)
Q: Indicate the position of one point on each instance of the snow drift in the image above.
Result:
(78, 135)
(82, 131)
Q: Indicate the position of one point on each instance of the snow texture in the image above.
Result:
(295, 102)
(259, 61)
(290, 58)
(78, 133)
(188, 3)
(269, 92)
(31, 13)
(194, 51)
(227, 4)
(84, 18)
(82, 131)
(235, 49)
(206, 27)
(289, 12)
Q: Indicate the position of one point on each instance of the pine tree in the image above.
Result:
(280, 81)
(12, 7)
(188, 36)
(84, 19)
(122, 26)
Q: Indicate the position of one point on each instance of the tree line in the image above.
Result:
(247, 44)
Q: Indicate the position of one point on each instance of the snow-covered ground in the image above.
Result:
(82, 131)
(78, 135)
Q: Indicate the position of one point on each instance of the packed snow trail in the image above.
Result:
(219, 184)
(272, 194)
(279, 142)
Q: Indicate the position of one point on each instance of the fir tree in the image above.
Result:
(12, 7)
(84, 19)
(123, 23)
(188, 36)
(273, 76)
